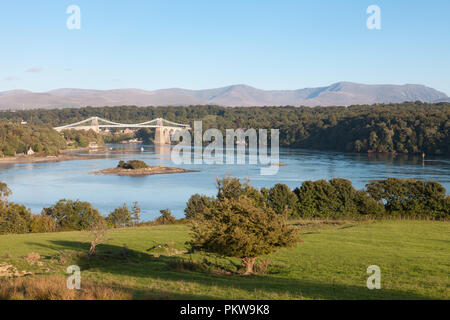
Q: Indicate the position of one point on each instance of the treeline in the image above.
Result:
(41, 139)
(411, 127)
(69, 215)
(18, 139)
(321, 199)
(337, 199)
(81, 139)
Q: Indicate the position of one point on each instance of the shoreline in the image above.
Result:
(68, 155)
(65, 155)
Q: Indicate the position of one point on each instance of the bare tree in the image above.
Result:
(98, 233)
(136, 213)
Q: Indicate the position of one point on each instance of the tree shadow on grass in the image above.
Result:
(122, 261)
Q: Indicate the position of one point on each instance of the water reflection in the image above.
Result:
(163, 150)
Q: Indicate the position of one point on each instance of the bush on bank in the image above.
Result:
(321, 199)
(337, 198)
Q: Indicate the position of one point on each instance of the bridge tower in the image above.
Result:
(162, 136)
(94, 124)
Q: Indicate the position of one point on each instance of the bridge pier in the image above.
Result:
(162, 136)
(94, 125)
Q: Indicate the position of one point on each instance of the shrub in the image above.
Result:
(132, 164)
(166, 217)
(236, 226)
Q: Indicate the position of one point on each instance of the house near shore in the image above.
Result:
(93, 145)
(30, 152)
(128, 131)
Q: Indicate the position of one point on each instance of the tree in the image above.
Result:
(17, 139)
(282, 200)
(132, 164)
(120, 217)
(238, 227)
(336, 198)
(42, 224)
(136, 213)
(98, 233)
(5, 192)
(145, 135)
(14, 218)
(344, 193)
(368, 206)
(373, 140)
(166, 217)
(197, 204)
(317, 199)
(401, 127)
(411, 197)
(233, 188)
(73, 215)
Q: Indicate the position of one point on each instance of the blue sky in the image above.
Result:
(198, 44)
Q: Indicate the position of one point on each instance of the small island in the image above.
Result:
(137, 168)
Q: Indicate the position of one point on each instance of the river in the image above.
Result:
(38, 185)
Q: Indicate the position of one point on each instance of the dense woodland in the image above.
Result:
(16, 139)
(411, 127)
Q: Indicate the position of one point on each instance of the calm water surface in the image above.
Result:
(41, 185)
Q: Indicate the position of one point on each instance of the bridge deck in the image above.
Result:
(163, 133)
(95, 123)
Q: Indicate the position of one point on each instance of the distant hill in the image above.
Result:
(341, 93)
(443, 100)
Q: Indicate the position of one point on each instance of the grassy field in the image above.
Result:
(330, 263)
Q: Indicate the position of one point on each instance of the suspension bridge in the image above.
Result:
(163, 133)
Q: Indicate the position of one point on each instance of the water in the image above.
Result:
(40, 185)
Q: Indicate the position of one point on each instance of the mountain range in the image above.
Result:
(337, 94)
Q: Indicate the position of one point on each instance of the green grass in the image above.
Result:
(330, 263)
